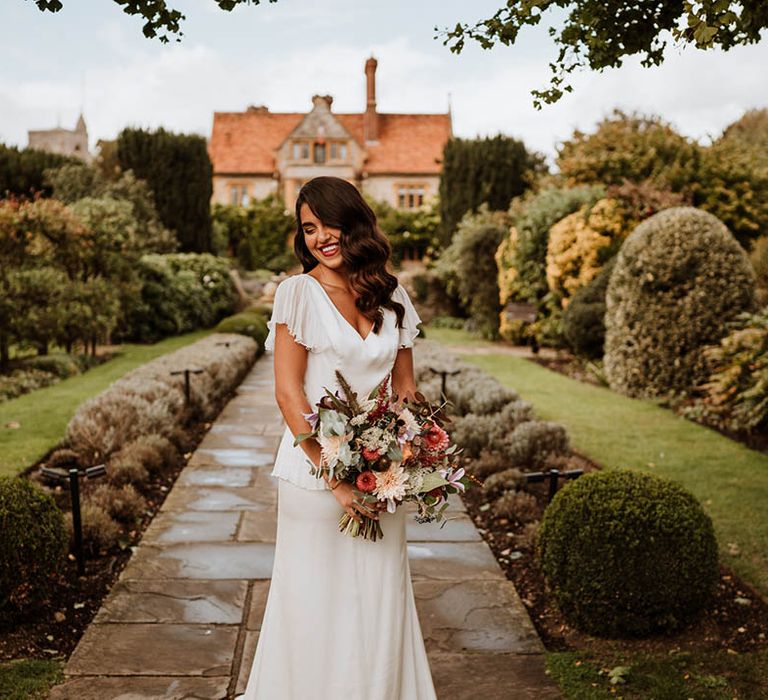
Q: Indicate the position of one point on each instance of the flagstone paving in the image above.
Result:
(184, 618)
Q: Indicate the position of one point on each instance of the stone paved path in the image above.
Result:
(183, 619)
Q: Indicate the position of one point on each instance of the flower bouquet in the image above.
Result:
(388, 449)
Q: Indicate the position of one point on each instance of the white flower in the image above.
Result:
(331, 446)
(391, 484)
(411, 428)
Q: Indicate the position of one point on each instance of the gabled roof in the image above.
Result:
(245, 142)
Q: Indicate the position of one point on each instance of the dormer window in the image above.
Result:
(339, 150)
(300, 150)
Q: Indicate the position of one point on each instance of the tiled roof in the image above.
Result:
(408, 143)
(245, 142)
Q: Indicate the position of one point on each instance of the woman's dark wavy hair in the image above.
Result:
(364, 248)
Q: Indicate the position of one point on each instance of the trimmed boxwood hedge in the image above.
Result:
(627, 554)
(33, 542)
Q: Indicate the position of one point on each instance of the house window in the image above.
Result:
(320, 153)
(338, 150)
(410, 196)
(238, 195)
(300, 150)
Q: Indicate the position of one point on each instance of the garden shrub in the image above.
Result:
(519, 506)
(60, 364)
(32, 545)
(180, 292)
(581, 243)
(126, 469)
(627, 553)
(468, 269)
(504, 480)
(22, 381)
(735, 396)
(63, 458)
(487, 463)
(584, 317)
(521, 256)
(100, 531)
(142, 452)
(759, 259)
(679, 278)
(245, 323)
(124, 504)
(150, 400)
(168, 451)
(533, 441)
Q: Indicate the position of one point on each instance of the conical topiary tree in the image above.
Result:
(679, 277)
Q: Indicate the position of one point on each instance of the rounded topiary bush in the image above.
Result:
(627, 554)
(679, 277)
(247, 323)
(584, 317)
(33, 542)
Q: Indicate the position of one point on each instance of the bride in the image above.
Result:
(340, 617)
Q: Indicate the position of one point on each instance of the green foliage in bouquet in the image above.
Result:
(32, 545)
(679, 278)
(627, 554)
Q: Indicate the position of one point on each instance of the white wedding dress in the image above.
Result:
(340, 618)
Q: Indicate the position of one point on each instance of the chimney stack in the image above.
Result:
(370, 119)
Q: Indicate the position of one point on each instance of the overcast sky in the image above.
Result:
(93, 56)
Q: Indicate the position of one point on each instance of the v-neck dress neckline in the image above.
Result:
(335, 308)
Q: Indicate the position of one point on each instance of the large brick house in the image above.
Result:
(396, 158)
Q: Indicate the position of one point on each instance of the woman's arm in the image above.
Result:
(290, 368)
(403, 382)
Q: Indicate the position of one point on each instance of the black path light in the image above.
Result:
(186, 373)
(225, 343)
(443, 374)
(72, 478)
(553, 475)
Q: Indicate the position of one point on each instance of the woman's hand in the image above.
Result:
(351, 500)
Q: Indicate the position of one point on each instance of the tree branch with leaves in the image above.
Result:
(161, 21)
(602, 33)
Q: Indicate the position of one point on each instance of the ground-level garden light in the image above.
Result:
(186, 373)
(553, 475)
(443, 374)
(71, 477)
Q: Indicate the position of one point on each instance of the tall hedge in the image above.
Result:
(22, 170)
(179, 172)
(491, 170)
(680, 276)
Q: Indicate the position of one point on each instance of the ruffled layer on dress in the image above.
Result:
(291, 307)
(411, 319)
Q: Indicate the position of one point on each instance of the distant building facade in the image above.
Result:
(63, 141)
(395, 158)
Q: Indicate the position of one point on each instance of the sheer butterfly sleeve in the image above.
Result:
(411, 319)
(293, 306)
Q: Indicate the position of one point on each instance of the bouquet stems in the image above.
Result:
(370, 529)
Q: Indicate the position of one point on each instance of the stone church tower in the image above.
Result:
(63, 141)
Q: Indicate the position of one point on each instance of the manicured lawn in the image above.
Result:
(44, 414)
(28, 678)
(704, 676)
(729, 480)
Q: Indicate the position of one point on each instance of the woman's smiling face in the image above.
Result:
(323, 242)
